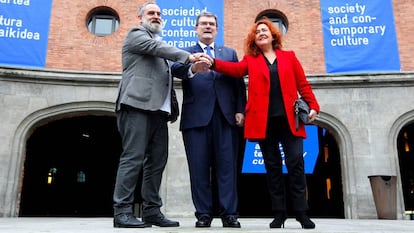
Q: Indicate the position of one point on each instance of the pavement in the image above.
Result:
(249, 225)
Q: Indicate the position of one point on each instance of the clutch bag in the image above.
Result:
(301, 112)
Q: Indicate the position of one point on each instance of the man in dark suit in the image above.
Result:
(142, 110)
(212, 110)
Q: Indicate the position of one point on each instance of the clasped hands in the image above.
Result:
(201, 62)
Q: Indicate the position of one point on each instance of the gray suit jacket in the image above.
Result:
(146, 71)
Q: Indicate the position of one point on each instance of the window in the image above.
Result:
(279, 24)
(277, 17)
(103, 21)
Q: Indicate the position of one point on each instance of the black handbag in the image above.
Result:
(301, 112)
(175, 109)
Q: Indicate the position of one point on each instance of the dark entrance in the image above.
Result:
(405, 144)
(70, 168)
(324, 186)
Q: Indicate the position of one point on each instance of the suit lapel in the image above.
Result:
(218, 52)
(280, 65)
(196, 49)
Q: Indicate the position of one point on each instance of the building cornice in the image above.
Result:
(91, 78)
(60, 77)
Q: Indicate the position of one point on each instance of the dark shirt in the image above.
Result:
(276, 107)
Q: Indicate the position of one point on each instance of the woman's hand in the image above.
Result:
(312, 115)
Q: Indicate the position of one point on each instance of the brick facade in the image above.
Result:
(73, 47)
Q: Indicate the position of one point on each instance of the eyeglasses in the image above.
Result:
(203, 23)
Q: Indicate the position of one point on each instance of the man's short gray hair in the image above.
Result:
(144, 6)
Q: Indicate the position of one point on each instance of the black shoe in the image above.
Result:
(279, 220)
(231, 221)
(305, 221)
(128, 221)
(161, 221)
(203, 221)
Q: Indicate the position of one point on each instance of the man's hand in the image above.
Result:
(200, 57)
(240, 119)
(201, 62)
(200, 66)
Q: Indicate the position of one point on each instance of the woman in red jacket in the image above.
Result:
(275, 79)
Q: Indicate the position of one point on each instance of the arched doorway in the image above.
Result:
(325, 195)
(405, 146)
(70, 168)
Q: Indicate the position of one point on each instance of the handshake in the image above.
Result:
(201, 62)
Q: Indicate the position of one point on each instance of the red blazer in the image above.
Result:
(292, 81)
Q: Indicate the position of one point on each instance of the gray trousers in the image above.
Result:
(145, 149)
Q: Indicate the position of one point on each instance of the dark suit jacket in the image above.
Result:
(201, 92)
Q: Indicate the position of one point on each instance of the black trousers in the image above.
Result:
(278, 131)
(145, 149)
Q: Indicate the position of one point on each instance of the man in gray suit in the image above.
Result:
(142, 110)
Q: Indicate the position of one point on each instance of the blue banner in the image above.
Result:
(24, 29)
(253, 158)
(359, 36)
(179, 18)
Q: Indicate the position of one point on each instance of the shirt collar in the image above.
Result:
(203, 46)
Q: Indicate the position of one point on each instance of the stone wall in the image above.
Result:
(364, 112)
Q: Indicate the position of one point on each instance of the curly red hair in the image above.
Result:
(250, 47)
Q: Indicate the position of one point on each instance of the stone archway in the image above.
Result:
(333, 165)
(70, 168)
(27, 127)
(344, 143)
(402, 136)
(405, 146)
